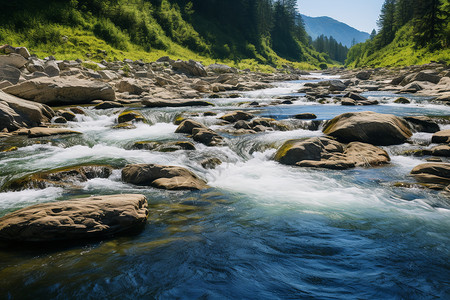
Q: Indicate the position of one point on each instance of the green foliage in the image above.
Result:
(106, 30)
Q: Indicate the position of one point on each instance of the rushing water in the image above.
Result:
(263, 230)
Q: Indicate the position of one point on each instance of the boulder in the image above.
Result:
(108, 105)
(131, 86)
(368, 127)
(174, 103)
(427, 76)
(18, 50)
(36, 132)
(442, 136)
(355, 96)
(163, 177)
(334, 85)
(365, 155)
(207, 136)
(237, 116)
(61, 177)
(10, 73)
(84, 218)
(59, 120)
(187, 126)
(441, 150)
(363, 75)
(423, 124)
(164, 147)
(51, 68)
(402, 100)
(68, 115)
(13, 59)
(433, 173)
(211, 163)
(128, 116)
(305, 116)
(220, 69)
(62, 91)
(412, 88)
(190, 67)
(17, 113)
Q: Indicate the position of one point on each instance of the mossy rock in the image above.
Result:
(178, 120)
(131, 115)
(9, 149)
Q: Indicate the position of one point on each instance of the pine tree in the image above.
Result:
(373, 34)
(386, 22)
(429, 22)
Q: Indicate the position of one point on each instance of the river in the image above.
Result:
(262, 231)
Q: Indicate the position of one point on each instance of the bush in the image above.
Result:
(107, 31)
(323, 66)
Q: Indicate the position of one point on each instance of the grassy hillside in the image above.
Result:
(136, 29)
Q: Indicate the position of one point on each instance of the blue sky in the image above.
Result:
(360, 14)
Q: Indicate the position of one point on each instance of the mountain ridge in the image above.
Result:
(342, 32)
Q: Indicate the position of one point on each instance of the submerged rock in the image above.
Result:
(163, 177)
(128, 116)
(305, 116)
(237, 116)
(62, 91)
(207, 136)
(84, 218)
(368, 127)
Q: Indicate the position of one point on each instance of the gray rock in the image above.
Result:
(363, 75)
(52, 69)
(423, 124)
(10, 73)
(190, 67)
(13, 59)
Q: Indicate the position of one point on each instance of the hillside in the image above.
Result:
(231, 32)
(341, 32)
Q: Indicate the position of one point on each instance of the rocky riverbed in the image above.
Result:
(166, 138)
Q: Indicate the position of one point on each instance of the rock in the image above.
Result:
(174, 103)
(128, 116)
(35, 132)
(305, 116)
(363, 75)
(10, 73)
(207, 136)
(190, 67)
(334, 85)
(51, 68)
(13, 59)
(62, 91)
(61, 177)
(402, 100)
(35, 65)
(412, 88)
(188, 125)
(220, 69)
(441, 150)
(163, 177)
(68, 115)
(77, 110)
(348, 102)
(108, 75)
(368, 127)
(434, 173)
(4, 84)
(164, 147)
(327, 153)
(421, 76)
(108, 105)
(241, 124)
(440, 137)
(18, 50)
(397, 80)
(131, 86)
(84, 218)
(211, 163)
(59, 120)
(17, 113)
(236, 116)
(355, 96)
(423, 124)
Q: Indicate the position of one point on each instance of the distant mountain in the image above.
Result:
(343, 33)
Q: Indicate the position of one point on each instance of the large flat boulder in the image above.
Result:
(13, 59)
(368, 127)
(190, 67)
(163, 177)
(62, 91)
(174, 102)
(36, 132)
(17, 113)
(84, 218)
(433, 173)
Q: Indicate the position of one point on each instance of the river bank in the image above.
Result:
(238, 215)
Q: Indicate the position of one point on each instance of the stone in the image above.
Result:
(131, 86)
(441, 150)
(76, 219)
(402, 100)
(108, 75)
(108, 105)
(366, 155)
(16, 113)
(220, 69)
(363, 75)
(236, 116)
(62, 91)
(128, 116)
(4, 84)
(348, 102)
(412, 88)
(368, 127)
(422, 124)
(59, 120)
(433, 173)
(241, 124)
(164, 147)
(188, 125)
(10, 73)
(35, 132)
(61, 177)
(334, 85)
(207, 136)
(51, 68)
(211, 163)
(421, 76)
(163, 177)
(68, 115)
(13, 59)
(190, 67)
(355, 96)
(305, 116)
(174, 103)
(440, 137)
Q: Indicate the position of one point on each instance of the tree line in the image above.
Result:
(336, 51)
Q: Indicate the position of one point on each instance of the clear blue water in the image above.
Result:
(263, 230)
